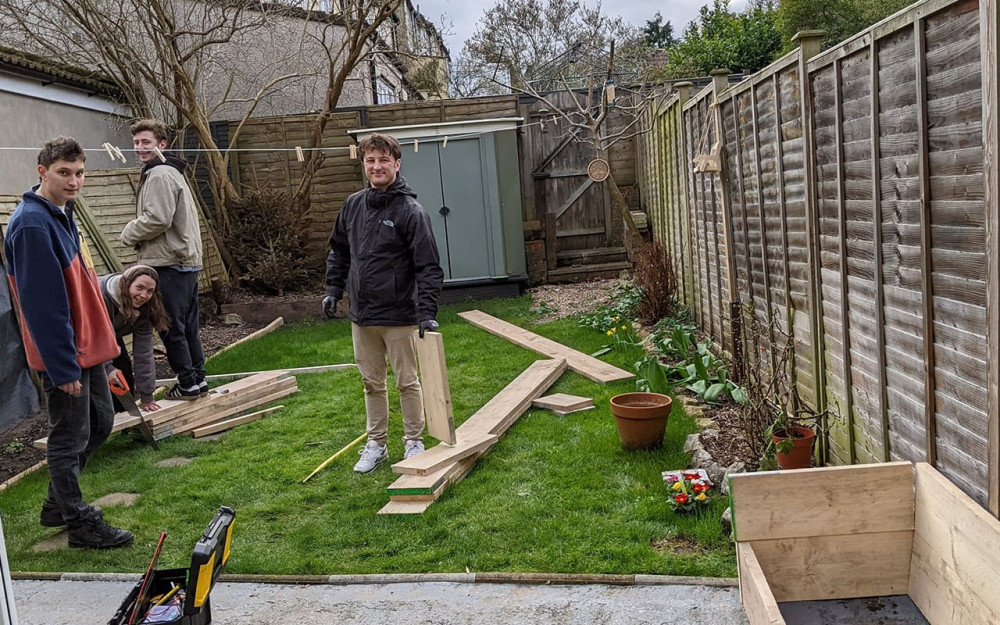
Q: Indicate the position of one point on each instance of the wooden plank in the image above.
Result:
(173, 408)
(443, 455)
(405, 507)
(826, 502)
(286, 388)
(495, 417)
(836, 566)
(927, 288)
(989, 36)
(438, 410)
(246, 374)
(587, 366)
(954, 568)
(755, 592)
(562, 402)
(123, 420)
(271, 327)
(229, 424)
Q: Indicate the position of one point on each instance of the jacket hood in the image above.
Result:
(173, 161)
(380, 199)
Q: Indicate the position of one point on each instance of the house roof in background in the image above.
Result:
(48, 70)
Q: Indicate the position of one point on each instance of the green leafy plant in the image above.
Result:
(13, 447)
(699, 370)
(625, 298)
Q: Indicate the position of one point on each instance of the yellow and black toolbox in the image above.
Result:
(181, 596)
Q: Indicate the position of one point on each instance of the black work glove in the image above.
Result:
(330, 303)
(427, 324)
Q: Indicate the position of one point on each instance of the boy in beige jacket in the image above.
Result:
(167, 236)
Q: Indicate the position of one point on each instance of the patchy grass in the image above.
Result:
(556, 494)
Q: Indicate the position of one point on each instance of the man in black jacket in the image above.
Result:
(382, 250)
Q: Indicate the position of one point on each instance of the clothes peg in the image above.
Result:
(444, 144)
(416, 146)
(118, 152)
(299, 155)
(159, 154)
(354, 152)
(111, 153)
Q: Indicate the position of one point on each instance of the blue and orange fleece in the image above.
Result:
(64, 324)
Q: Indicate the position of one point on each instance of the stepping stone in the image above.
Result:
(53, 543)
(173, 462)
(116, 499)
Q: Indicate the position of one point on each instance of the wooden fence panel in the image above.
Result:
(957, 244)
(883, 191)
(898, 169)
(337, 178)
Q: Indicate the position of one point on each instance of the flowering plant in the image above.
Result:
(688, 490)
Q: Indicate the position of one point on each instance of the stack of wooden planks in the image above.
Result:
(413, 494)
(193, 417)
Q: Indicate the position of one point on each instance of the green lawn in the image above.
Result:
(556, 494)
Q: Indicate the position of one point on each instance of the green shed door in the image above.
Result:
(449, 183)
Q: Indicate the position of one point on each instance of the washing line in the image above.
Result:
(298, 149)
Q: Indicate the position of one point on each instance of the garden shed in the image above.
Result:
(467, 178)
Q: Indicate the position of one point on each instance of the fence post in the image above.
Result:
(684, 94)
(989, 27)
(720, 82)
(809, 42)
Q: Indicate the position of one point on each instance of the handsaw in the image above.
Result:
(120, 388)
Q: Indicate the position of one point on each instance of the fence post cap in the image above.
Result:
(722, 71)
(808, 34)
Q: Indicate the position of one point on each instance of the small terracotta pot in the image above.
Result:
(641, 419)
(801, 456)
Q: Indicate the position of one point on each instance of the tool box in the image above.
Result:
(181, 596)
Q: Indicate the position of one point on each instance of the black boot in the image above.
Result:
(94, 533)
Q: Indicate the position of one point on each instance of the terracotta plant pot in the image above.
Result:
(801, 456)
(641, 419)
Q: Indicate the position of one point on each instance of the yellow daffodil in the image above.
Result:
(624, 327)
(611, 331)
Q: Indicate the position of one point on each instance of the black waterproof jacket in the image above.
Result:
(383, 252)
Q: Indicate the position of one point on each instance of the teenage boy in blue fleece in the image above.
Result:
(67, 337)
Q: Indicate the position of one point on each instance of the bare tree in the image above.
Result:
(191, 61)
(360, 21)
(597, 104)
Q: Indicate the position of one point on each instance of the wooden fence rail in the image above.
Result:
(854, 209)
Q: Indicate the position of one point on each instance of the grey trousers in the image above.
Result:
(372, 346)
(77, 427)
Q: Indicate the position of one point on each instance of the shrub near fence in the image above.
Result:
(856, 207)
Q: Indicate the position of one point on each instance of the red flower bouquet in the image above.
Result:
(687, 490)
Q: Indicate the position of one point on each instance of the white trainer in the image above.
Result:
(413, 448)
(372, 455)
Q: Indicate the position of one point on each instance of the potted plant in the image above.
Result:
(641, 417)
(792, 438)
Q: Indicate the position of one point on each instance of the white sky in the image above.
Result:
(465, 13)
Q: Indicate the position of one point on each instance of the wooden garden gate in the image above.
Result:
(582, 238)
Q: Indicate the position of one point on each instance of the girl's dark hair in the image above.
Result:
(153, 309)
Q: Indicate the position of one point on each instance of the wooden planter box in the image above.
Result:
(865, 531)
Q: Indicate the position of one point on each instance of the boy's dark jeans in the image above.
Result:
(77, 427)
(179, 290)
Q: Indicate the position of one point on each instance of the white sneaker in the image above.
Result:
(413, 448)
(372, 455)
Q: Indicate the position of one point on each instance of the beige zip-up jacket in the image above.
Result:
(166, 230)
